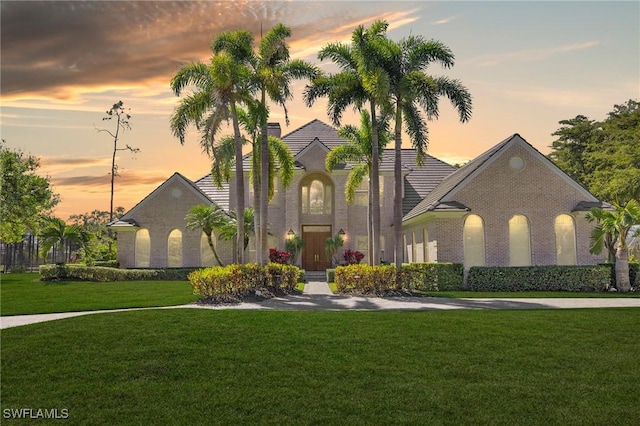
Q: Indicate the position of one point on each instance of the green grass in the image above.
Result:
(189, 366)
(22, 294)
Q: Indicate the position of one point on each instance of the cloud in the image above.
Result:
(444, 20)
(529, 55)
(102, 182)
(60, 50)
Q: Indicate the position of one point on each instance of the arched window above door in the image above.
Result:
(316, 196)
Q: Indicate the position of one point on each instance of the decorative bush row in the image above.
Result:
(242, 280)
(433, 276)
(539, 278)
(365, 278)
(105, 274)
(413, 276)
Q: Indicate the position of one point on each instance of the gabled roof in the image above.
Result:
(314, 142)
(218, 195)
(299, 138)
(126, 218)
(442, 197)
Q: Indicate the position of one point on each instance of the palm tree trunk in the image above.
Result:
(375, 189)
(397, 196)
(213, 249)
(264, 184)
(622, 269)
(256, 201)
(240, 203)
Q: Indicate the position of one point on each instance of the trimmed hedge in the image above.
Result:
(365, 278)
(237, 281)
(433, 276)
(413, 276)
(104, 274)
(539, 278)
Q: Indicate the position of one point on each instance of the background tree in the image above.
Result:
(122, 117)
(54, 235)
(102, 246)
(413, 97)
(25, 197)
(603, 156)
(618, 225)
(219, 89)
(208, 218)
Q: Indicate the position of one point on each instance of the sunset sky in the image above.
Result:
(527, 65)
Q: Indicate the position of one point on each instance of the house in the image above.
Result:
(509, 206)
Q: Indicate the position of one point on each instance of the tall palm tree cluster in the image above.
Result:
(386, 80)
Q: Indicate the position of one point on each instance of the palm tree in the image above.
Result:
(56, 232)
(278, 152)
(272, 73)
(359, 152)
(220, 88)
(230, 231)
(617, 224)
(414, 97)
(355, 85)
(207, 218)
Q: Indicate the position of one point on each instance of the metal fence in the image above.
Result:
(25, 256)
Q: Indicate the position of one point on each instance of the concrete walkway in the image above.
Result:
(317, 296)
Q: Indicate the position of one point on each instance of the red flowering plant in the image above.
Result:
(352, 257)
(281, 257)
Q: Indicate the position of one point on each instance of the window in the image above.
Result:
(473, 241)
(142, 249)
(174, 249)
(362, 193)
(565, 240)
(519, 241)
(206, 255)
(316, 198)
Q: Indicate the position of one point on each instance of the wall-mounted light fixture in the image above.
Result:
(341, 232)
(290, 234)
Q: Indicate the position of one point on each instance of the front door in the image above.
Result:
(314, 256)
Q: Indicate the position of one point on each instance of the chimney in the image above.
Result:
(273, 129)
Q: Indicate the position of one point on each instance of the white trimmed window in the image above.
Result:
(174, 249)
(473, 241)
(565, 231)
(519, 241)
(142, 249)
(316, 198)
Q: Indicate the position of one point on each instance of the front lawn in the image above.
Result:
(22, 294)
(192, 366)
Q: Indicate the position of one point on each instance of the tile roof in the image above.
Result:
(218, 195)
(433, 200)
(419, 181)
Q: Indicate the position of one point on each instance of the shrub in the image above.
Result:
(76, 272)
(539, 278)
(433, 276)
(282, 277)
(352, 257)
(365, 278)
(233, 282)
(281, 257)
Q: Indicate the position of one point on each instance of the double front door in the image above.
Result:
(314, 255)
